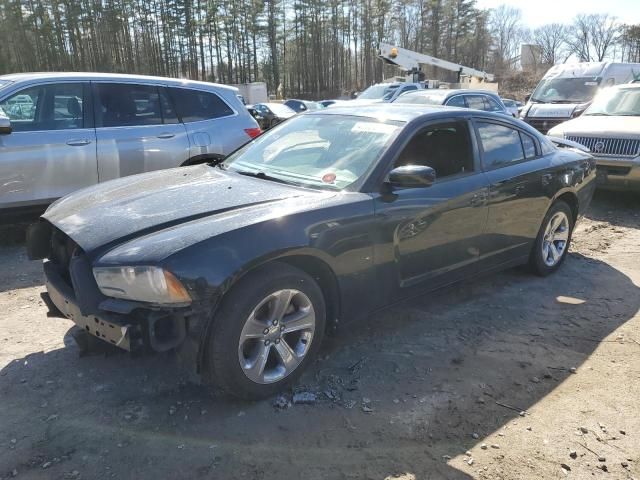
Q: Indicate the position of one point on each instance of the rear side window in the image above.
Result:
(501, 145)
(476, 101)
(125, 105)
(492, 105)
(196, 105)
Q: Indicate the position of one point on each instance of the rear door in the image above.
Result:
(215, 129)
(137, 130)
(518, 193)
(52, 149)
(431, 236)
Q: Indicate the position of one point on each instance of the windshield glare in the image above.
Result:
(616, 101)
(280, 109)
(565, 90)
(422, 98)
(321, 151)
(375, 92)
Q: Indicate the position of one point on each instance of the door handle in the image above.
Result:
(167, 135)
(79, 142)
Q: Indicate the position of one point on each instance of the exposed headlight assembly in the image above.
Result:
(143, 284)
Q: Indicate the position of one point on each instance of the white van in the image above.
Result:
(566, 90)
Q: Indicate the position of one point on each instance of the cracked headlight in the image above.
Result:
(142, 284)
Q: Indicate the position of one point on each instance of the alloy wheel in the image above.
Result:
(276, 336)
(556, 239)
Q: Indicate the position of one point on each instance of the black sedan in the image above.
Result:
(241, 267)
(268, 115)
(300, 106)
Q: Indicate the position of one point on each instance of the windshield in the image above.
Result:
(376, 91)
(565, 90)
(280, 109)
(422, 98)
(321, 151)
(616, 101)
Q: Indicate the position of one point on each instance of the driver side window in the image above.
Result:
(446, 147)
(46, 107)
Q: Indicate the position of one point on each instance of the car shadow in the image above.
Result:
(400, 392)
(618, 208)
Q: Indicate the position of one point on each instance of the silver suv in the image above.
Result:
(68, 131)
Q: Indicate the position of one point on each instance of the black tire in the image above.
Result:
(536, 259)
(222, 364)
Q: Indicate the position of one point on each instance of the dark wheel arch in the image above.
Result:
(316, 268)
(570, 199)
(220, 367)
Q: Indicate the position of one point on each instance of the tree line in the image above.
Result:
(305, 48)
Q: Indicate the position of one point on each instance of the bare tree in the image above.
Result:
(593, 36)
(552, 39)
(630, 43)
(604, 35)
(506, 28)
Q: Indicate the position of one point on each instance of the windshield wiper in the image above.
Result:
(598, 114)
(263, 176)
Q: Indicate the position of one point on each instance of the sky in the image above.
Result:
(539, 12)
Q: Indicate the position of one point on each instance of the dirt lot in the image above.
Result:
(505, 377)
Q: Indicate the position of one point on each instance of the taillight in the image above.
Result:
(253, 132)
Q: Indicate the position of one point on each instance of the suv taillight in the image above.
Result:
(253, 132)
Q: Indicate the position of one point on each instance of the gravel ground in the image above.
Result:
(508, 376)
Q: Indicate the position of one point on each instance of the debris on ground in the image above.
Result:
(304, 398)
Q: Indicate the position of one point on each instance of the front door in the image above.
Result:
(431, 236)
(137, 130)
(52, 149)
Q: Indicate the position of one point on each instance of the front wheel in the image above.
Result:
(268, 329)
(551, 245)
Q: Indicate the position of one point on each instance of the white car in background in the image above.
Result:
(610, 128)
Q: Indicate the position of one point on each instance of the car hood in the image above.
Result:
(600, 126)
(551, 110)
(141, 204)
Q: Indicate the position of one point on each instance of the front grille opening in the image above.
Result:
(63, 249)
(609, 147)
(543, 125)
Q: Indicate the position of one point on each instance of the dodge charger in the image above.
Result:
(242, 266)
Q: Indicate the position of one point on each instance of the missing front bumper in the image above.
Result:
(107, 327)
(132, 329)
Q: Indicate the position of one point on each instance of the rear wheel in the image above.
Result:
(551, 245)
(266, 332)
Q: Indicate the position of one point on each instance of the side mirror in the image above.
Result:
(412, 176)
(5, 124)
(527, 97)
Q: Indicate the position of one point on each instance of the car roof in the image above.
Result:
(392, 111)
(88, 76)
(406, 113)
(452, 91)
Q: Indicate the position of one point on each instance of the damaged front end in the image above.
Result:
(73, 290)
